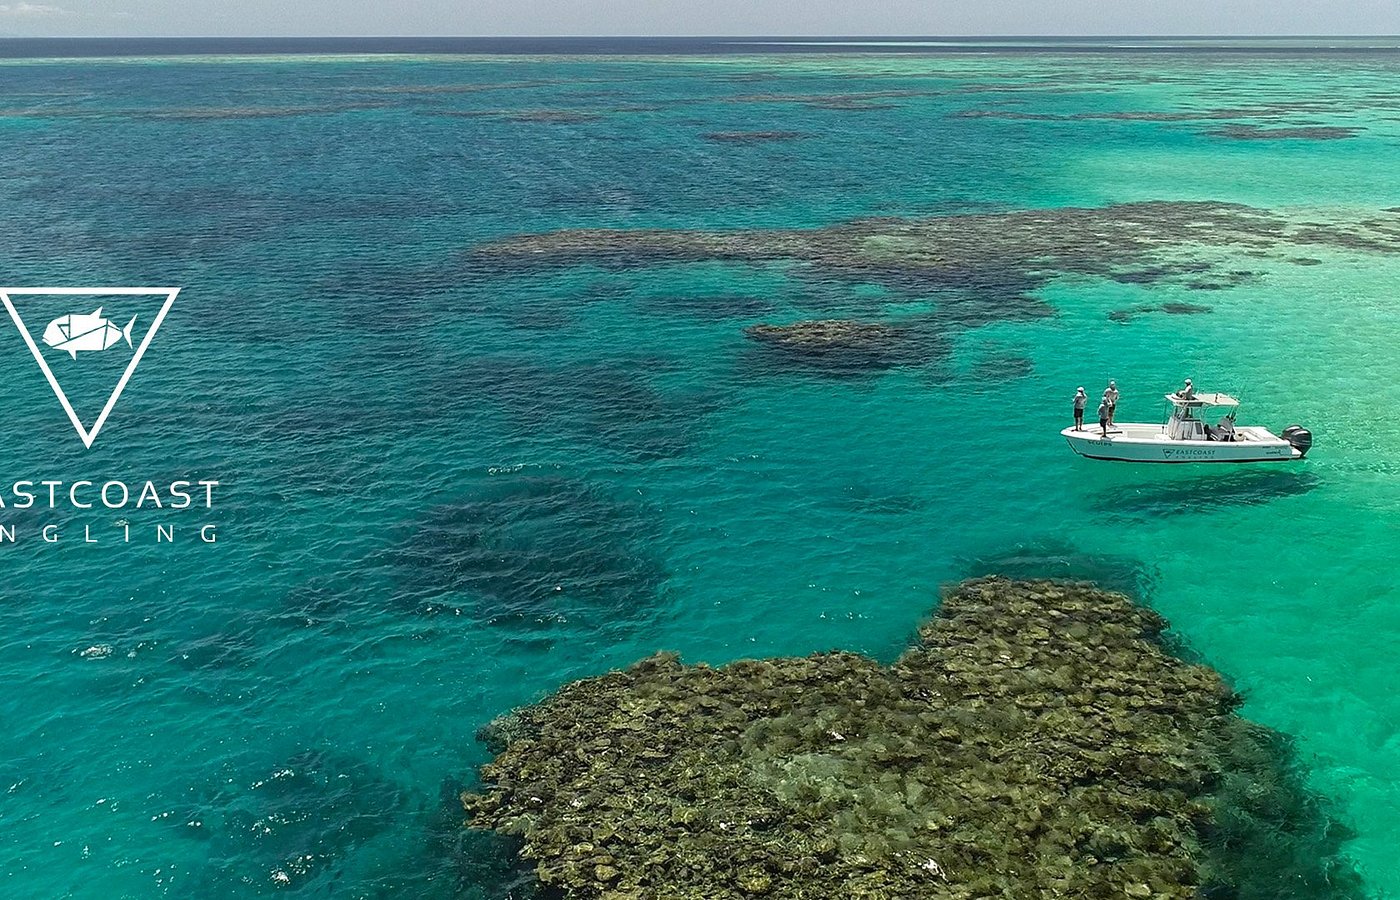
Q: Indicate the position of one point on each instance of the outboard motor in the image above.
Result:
(1299, 437)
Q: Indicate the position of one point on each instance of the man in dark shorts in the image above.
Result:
(1103, 416)
(1080, 398)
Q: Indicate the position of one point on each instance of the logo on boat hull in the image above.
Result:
(1189, 453)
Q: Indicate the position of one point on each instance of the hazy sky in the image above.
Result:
(694, 17)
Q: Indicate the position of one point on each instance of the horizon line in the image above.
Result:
(754, 37)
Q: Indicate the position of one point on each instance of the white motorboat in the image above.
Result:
(1187, 436)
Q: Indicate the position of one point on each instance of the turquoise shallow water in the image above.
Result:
(449, 483)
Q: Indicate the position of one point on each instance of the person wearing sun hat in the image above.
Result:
(1111, 395)
(1080, 399)
(1187, 392)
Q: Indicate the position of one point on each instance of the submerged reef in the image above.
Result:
(1300, 132)
(185, 113)
(845, 346)
(617, 404)
(994, 261)
(850, 100)
(527, 549)
(541, 116)
(998, 369)
(1063, 561)
(978, 268)
(826, 334)
(708, 308)
(1267, 112)
(1037, 741)
(289, 825)
(1171, 309)
(482, 865)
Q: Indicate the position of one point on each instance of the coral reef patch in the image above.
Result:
(483, 865)
(1263, 111)
(1171, 309)
(845, 346)
(1037, 741)
(993, 259)
(1300, 132)
(998, 368)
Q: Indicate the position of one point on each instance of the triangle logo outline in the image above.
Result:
(87, 435)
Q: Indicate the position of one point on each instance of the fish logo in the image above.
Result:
(92, 332)
(77, 333)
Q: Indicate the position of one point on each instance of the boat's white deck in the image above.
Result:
(1143, 432)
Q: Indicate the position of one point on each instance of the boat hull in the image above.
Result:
(1149, 444)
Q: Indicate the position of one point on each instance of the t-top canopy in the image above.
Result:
(1201, 399)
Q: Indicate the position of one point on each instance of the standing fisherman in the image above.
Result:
(1111, 395)
(1103, 416)
(1080, 398)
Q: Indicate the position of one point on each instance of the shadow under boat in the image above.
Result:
(1206, 493)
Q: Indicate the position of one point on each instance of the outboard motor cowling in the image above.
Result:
(1299, 437)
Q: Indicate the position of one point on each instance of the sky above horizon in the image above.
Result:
(332, 18)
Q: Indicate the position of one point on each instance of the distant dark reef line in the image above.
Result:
(563, 103)
(1040, 739)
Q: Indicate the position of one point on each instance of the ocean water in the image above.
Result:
(453, 477)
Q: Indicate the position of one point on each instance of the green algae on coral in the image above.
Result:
(1038, 741)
